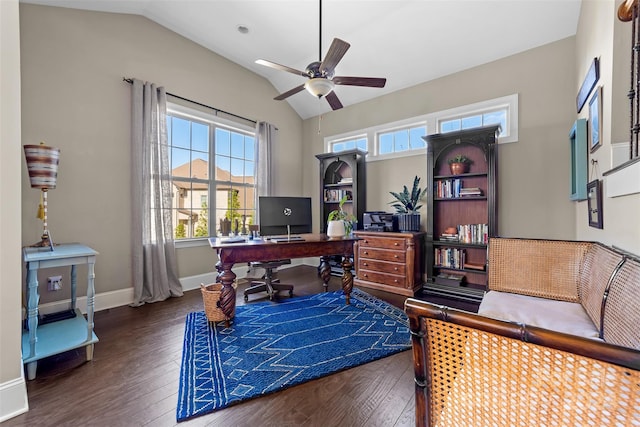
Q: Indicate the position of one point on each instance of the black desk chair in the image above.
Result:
(269, 284)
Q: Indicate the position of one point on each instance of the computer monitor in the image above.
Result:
(281, 216)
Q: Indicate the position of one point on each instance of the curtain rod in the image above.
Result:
(217, 110)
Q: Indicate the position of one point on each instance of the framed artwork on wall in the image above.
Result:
(594, 203)
(578, 147)
(588, 83)
(595, 120)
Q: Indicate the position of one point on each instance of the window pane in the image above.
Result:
(200, 166)
(180, 162)
(362, 144)
(223, 168)
(249, 171)
(200, 137)
(249, 148)
(401, 140)
(415, 138)
(237, 145)
(496, 118)
(237, 170)
(471, 122)
(337, 147)
(180, 133)
(450, 125)
(223, 142)
(386, 143)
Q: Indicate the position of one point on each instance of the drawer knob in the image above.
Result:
(366, 253)
(365, 264)
(396, 281)
(395, 256)
(395, 268)
(365, 275)
(395, 244)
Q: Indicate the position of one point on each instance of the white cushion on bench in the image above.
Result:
(560, 316)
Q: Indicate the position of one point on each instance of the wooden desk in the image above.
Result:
(43, 341)
(260, 250)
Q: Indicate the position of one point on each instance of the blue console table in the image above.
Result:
(60, 336)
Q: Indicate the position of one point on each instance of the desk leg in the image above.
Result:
(227, 293)
(347, 278)
(325, 272)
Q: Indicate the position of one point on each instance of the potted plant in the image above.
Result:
(339, 222)
(459, 164)
(407, 205)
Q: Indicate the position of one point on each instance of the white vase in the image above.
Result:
(336, 229)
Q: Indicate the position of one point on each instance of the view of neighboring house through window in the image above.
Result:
(213, 175)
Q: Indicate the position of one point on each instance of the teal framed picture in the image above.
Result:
(578, 166)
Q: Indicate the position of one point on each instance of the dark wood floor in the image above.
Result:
(133, 378)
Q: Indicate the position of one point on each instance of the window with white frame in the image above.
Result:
(213, 173)
(404, 138)
(349, 144)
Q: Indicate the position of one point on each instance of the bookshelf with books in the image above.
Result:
(342, 174)
(461, 213)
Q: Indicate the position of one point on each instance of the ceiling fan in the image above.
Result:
(321, 73)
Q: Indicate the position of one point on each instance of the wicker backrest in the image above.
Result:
(599, 264)
(474, 371)
(540, 268)
(621, 324)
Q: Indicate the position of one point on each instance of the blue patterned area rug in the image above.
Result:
(274, 345)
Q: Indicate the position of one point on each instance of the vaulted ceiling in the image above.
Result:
(408, 42)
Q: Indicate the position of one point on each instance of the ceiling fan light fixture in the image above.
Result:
(319, 86)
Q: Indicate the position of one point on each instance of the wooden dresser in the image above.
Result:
(391, 262)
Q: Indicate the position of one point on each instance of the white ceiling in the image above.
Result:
(408, 42)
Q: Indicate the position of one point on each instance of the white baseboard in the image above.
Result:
(112, 299)
(13, 398)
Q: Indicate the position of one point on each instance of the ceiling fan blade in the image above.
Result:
(281, 67)
(336, 51)
(289, 93)
(333, 100)
(360, 81)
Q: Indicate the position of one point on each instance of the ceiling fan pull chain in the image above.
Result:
(319, 124)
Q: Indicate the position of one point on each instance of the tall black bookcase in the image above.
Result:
(456, 263)
(342, 173)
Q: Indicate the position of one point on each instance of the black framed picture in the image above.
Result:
(594, 203)
(588, 83)
(595, 120)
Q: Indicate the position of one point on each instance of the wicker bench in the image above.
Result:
(503, 369)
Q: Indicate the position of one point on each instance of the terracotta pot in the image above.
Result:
(458, 168)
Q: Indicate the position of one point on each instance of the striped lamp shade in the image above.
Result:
(42, 163)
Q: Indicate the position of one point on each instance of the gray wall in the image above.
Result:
(533, 174)
(74, 98)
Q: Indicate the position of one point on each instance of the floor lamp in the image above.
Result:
(42, 164)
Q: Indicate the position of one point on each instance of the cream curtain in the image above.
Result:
(265, 140)
(154, 265)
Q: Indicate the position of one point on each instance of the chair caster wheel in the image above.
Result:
(246, 298)
(290, 294)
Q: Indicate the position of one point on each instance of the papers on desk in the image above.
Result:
(232, 239)
(287, 239)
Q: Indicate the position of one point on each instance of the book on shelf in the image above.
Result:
(470, 191)
(473, 266)
(346, 180)
(449, 279)
(447, 237)
(334, 196)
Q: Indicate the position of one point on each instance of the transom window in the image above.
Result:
(404, 138)
(401, 140)
(213, 174)
(349, 144)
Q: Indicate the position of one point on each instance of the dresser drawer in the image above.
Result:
(383, 278)
(395, 243)
(381, 254)
(382, 266)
